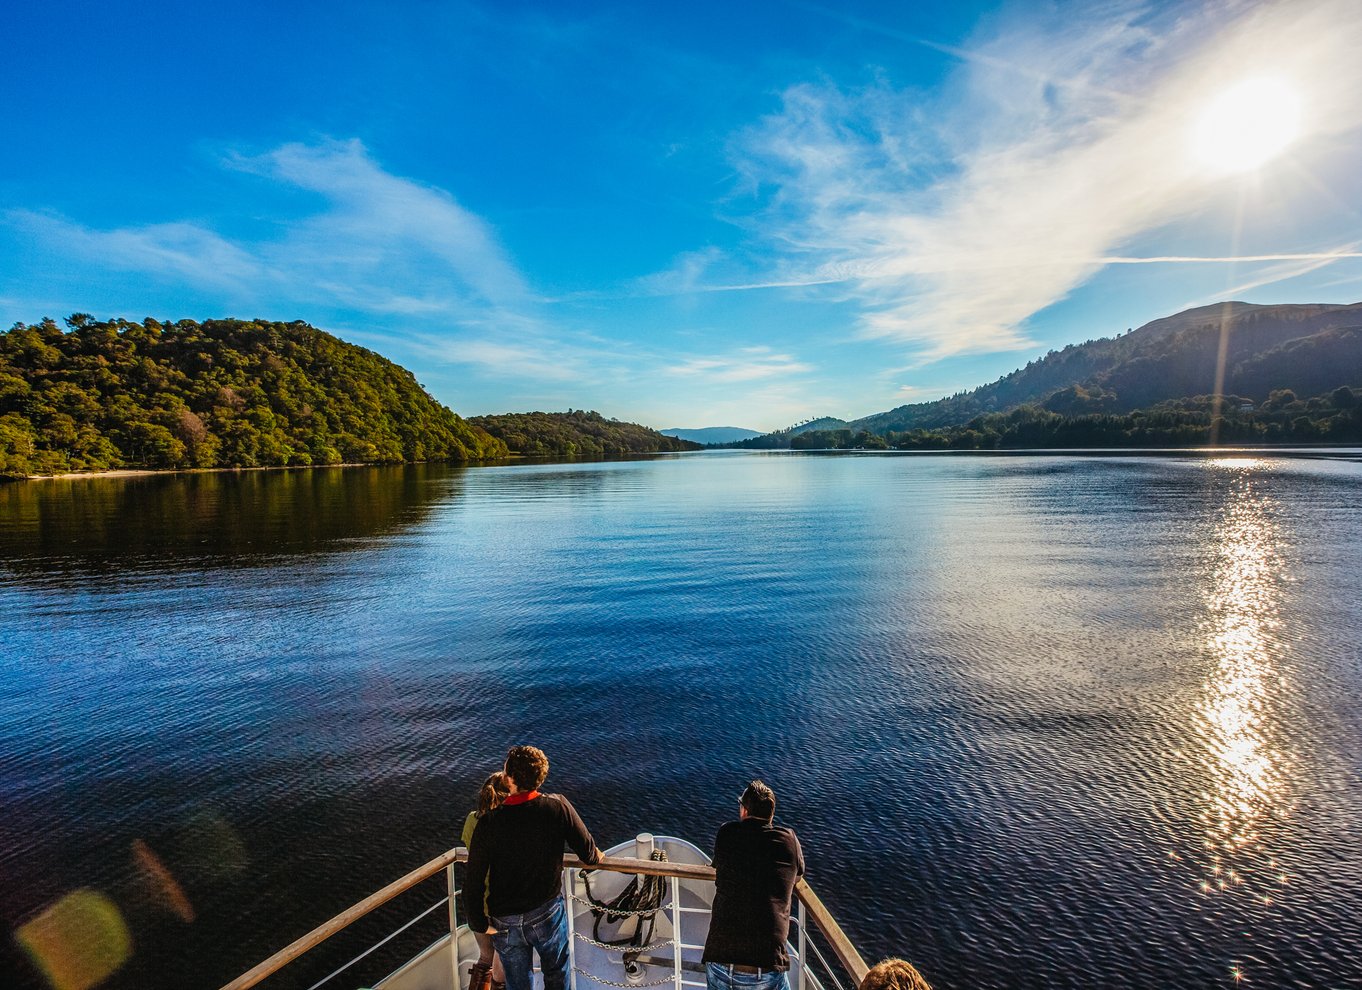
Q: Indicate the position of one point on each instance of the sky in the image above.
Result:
(703, 214)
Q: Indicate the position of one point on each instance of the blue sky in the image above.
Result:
(684, 215)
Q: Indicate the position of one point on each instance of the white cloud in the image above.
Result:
(179, 250)
(540, 359)
(952, 221)
(380, 244)
(378, 225)
(743, 365)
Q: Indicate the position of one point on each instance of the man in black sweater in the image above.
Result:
(756, 865)
(520, 845)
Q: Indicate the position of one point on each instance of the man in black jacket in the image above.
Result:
(521, 845)
(756, 865)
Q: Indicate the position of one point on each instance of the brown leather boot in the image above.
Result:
(480, 977)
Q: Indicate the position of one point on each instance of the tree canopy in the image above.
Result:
(576, 433)
(1335, 417)
(221, 393)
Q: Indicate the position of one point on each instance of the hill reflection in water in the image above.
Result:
(74, 529)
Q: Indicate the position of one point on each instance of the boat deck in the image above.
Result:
(666, 953)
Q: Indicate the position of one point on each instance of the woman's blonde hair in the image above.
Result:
(494, 790)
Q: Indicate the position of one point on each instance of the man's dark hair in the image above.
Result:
(759, 800)
(527, 766)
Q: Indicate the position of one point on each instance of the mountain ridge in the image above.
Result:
(710, 434)
(1307, 347)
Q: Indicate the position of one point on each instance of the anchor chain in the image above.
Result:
(625, 948)
(623, 986)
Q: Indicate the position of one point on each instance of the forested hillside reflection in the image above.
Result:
(81, 527)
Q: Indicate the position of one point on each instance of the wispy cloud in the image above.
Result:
(377, 224)
(1180, 259)
(743, 365)
(1287, 269)
(176, 250)
(380, 246)
(953, 220)
(504, 358)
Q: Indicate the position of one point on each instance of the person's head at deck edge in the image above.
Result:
(894, 974)
(527, 766)
(758, 801)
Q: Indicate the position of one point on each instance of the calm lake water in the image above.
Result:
(1039, 721)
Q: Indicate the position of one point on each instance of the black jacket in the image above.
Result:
(756, 865)
(521, 847)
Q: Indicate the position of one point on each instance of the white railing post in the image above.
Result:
(676, 931)
(803, 950)
(569, 886)
(453, 927)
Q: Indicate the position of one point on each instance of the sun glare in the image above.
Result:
(1247, 125)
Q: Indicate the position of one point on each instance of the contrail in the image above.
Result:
(1228, 259)
(1167, 259)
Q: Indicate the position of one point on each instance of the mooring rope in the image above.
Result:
(641, 898)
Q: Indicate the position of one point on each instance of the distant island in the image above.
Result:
(1288, 374)
(576, 433)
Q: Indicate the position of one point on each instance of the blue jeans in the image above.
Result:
(721, 976)
(543, 930)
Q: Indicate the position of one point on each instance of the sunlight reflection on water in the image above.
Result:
(1240, 710)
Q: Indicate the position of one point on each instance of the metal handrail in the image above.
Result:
(823, 920)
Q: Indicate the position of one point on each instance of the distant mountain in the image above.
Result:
(575, 433)
(711, 434)
(1308, 348)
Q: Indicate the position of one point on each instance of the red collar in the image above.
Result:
(520, 797)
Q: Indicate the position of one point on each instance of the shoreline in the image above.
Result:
(1004, 451)
(147, 472)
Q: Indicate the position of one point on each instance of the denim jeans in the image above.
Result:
(720, 976)
(543, 930)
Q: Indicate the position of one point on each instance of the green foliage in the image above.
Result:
(576, 433)
(223, 393)
(1310, 349)
(1193, 422)
(1335, 417)
(837, 440)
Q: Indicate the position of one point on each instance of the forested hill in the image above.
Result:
(576, 433)
(222, 393)
(1309, 349)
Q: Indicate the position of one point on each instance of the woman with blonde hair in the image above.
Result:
(486, 973)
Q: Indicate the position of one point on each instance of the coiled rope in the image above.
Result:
(641, 899)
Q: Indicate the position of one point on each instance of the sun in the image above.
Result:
(1247, 125)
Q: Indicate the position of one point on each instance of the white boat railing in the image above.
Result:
(810, 914)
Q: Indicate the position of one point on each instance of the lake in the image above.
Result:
(1039, 721)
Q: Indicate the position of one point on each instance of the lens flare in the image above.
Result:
(79, 941)
(161, 883)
